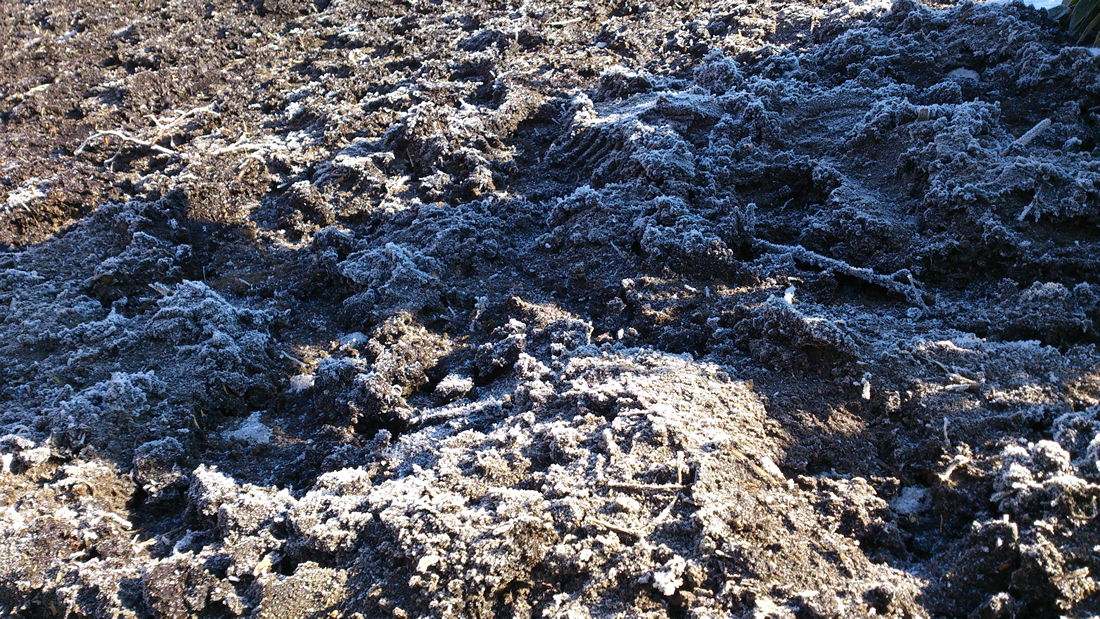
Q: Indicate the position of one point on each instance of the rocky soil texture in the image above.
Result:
(518, 309)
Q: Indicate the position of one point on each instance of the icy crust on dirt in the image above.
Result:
(804, 329)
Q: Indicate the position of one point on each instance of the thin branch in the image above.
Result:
(611, 527)
(125, 137)
(293, 359)
(1077, 573)
(1026, 138)
(164, 126)
(910, 291)
(663, 516)
(648, 488)
(240, 144)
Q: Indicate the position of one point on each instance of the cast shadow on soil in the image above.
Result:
(948, 520)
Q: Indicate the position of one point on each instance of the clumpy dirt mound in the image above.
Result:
(768, 309)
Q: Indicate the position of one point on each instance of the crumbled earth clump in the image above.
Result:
(490, 309)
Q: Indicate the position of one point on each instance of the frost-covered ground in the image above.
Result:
(487, 309)
(1037, 4)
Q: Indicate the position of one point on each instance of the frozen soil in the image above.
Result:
(489, 309)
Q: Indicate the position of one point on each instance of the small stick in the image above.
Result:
(443, 416)
(124, 523)
(661, 517)
(956, 462)
(1078, 573)
(162, 127)
(617, 529)
(1031, 206)
(910, 291)
(961, 383)
(293, 360)
(126, 138)
(648, 488)
(435, 419)
(240, 144)
(947, 370)
(145, 544)
(759, 470)
(1026, 138)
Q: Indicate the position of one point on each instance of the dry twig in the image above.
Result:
(1026, 138)
(910, 291)
(648, 488)
(611, 527)
(125, 137)
(163, 126)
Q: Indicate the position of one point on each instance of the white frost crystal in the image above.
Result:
(912, 501)
(251, 431)
(669, 577)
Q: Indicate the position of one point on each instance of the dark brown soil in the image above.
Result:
(482, 309)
